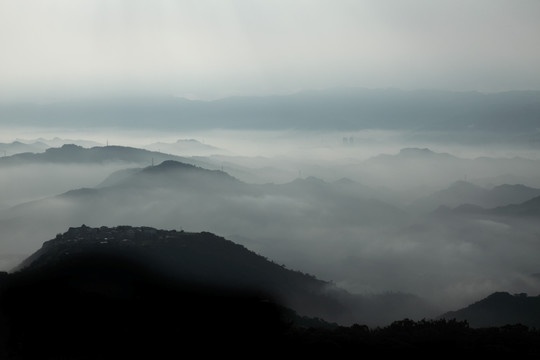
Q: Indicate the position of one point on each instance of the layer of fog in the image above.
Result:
(451, 261)
(36, 181)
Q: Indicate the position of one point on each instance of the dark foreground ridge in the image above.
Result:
(112, 293)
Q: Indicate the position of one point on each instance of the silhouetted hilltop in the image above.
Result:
(198, 258)
(209, 259)
(499, 309)
(204, 258)
(124, 291)
(109, 293)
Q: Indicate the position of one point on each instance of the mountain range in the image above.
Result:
(349, 108)
(424, 168)
(524, 211)
(174, 194)
(357, 235)
(74, 154)
(463, 192)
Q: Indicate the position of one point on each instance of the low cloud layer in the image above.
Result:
(364, 238)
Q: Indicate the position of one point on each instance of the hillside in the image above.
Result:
(108, 293)
(173, 194)
(527, 209)
(116, 292)
(204, 258)
(201, 259)
(499, 309)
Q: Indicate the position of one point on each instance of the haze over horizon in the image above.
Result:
(215, 49)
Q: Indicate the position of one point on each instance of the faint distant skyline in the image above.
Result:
(211, 49)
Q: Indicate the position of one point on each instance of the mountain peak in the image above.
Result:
(416, 152)
(65, 147)
(169, 165)
(181, 168)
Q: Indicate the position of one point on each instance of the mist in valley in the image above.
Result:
(389, 148)
(367, 212)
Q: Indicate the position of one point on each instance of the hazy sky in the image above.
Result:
(208, 49)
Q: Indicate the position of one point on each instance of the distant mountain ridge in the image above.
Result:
(70, 153)
(347, 108)
(463, 192)
(16, 147)
(524, 210)
(212, 185)
(424, 167)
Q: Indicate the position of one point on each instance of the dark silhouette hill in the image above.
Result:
(124, 290)
(115, 292)
(201, 259)
(499, 309)
(206, 259)
(109, 293)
